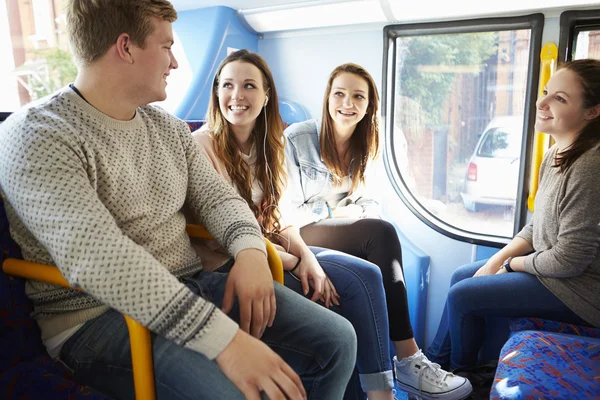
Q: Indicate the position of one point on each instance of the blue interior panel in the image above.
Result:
(484, 252)
(416, 274)
(206, 35)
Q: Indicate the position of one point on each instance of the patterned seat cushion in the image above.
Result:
(26, 371)
(536, 364)
(195, 124)
(538, 324)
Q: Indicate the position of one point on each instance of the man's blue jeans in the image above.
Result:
(471, 299)
(363, 303)
(318, 344)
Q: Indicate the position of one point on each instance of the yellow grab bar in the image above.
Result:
(548, 59)
(275, 264)
(141, 346)
(140, 339)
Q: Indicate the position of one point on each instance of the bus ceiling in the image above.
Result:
(265, 16)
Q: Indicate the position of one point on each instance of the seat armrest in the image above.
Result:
(139, 335)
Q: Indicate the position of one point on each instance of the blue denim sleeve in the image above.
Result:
(293, 206)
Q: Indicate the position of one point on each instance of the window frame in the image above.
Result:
(534, 22)
(571, 23)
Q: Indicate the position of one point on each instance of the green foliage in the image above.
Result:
(427, 66)
(60, 71)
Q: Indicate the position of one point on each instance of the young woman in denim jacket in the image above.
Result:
(551, 269)
(244, 141)
(329, 163)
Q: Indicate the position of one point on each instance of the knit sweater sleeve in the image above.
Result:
(527, 232)
(578, 240)
(44, 178)
(216, 204)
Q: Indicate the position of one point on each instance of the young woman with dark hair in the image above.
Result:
(551, 269)
(330, 164)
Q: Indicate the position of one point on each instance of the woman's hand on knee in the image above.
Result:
(331, 296)
(254, 368)
(312, 275)
(489, 268)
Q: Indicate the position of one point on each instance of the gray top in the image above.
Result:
(565, 233)
(102, 199)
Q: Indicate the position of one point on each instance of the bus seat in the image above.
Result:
(292, 112)
(26, 370)
(195, 124)
(550, 360)
(415, 264)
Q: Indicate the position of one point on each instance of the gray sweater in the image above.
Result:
(102, 199)
(565, 233)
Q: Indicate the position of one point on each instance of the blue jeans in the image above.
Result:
(363, 303)
(319, 345)
(470, 300)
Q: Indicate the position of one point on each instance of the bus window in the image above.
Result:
(579, 35)
(458, 109)
(587, 44)
(37, 59)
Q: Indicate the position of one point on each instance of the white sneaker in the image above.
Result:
(419, 376)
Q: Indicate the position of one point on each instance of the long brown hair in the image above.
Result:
(588, 71)
(364, 143)
(271, 176)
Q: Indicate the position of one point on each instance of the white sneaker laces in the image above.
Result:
(433, 372)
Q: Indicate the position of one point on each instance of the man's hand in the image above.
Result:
(253, 367)
(251, 280)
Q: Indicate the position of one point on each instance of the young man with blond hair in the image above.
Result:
(94, 181)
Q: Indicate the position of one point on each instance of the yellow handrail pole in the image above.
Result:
(141, 359)
(34, 271)
(140, 339)
(198, 231)
(275, 264)
(548, 59)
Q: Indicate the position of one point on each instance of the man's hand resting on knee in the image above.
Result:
(251, 280)
(253, 368)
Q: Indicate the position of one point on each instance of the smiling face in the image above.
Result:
(241, 94)
(560, 109)
(154, 63)
(348, 101)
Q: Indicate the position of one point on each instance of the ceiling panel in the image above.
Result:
(236, 4)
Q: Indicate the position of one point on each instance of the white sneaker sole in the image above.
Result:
(460, 393)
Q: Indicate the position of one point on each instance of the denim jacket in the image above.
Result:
(309, 180)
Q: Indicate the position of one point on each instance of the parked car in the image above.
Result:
(493, 171)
